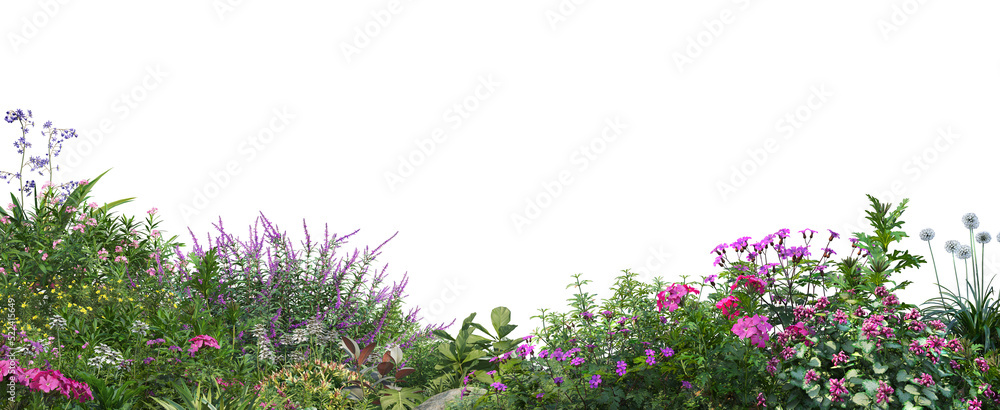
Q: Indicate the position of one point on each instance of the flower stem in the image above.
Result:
(934, 263)
(957, 283)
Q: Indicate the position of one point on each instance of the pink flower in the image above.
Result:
(6, 367)
(199, 341)
(677, 292)
(755, 328)
(925, 380)
(983, 366)
(839, 358)
(837, 389)
(884, 390)
(45, 380)
(753, 283)
(24, 376)
(810, 377)
(728, 306)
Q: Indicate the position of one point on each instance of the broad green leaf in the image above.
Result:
(814, 362)
(851, 374)
(902, 376)
(866, 346)
(879, 368)
(814, 391)
(871, 386)
(929, 392)
(861, 399)
(946, 391)
(912, 389)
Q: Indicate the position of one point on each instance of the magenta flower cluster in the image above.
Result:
(755, 328)
(676, 292)
(200, 341)
(46, 381)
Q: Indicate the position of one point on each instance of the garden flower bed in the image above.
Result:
(104, 313)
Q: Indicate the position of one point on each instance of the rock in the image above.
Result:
(440, 401)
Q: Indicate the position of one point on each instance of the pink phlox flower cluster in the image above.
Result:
(753, 283)
(924, 380)
(728, 306)
(200, 341)
(917, 326)
(677, 292)
(46, 381)
(755, 328)
(913, 315)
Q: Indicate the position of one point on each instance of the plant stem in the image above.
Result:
(933, 262)
(957, 283)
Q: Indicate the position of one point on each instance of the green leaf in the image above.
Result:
(871, 386)
(866, 346)
(500, 317)
(902, 376)
(814, 362)
(813, 391)
(861, 399)
(929, 392)
(879, 368)
(851, 374)
(912, 389)
(923, 401)
(946, 391)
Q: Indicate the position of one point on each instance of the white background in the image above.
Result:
(707, 91)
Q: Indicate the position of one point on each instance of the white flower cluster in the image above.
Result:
(139, 327)
(105, 355)
(263, 343)
(57, 322)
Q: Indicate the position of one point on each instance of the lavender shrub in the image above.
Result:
(283, 289)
